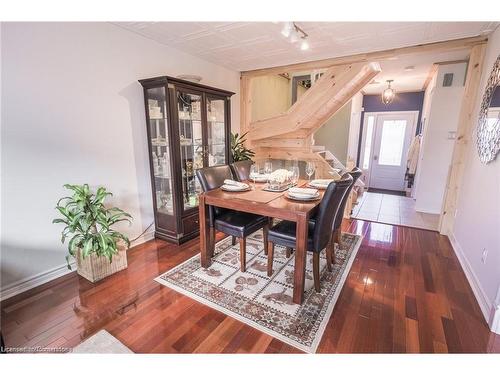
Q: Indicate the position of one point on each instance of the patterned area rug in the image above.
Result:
(263, 302)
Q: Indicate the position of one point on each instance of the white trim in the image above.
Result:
(41, 278)
(427, 211)
(491, 313)
(251, 323)
(31, 282)
(495, 320)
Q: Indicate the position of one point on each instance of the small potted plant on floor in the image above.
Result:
(99, 251)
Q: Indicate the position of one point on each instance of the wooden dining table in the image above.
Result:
(271, 204)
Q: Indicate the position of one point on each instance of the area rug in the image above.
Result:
(263, 302)
(102, 342)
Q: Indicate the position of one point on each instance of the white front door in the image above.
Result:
(391, 139)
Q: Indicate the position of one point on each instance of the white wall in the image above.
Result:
(477, 224)
(426, 109)
(442, 116)
(271, 95)
(73, 112)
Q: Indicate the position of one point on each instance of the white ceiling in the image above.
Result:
(244, 46)
(413, 80)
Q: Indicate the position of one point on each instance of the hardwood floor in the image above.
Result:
(405, 292)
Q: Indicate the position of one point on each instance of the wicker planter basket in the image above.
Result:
(95, 268)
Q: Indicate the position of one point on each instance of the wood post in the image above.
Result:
(245, 106)
(243, 254)
(466, 124)
(329, 257)
(270, 256)
(316, 271)
(265, 236)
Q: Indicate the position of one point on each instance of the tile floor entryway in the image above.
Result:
(393, 209)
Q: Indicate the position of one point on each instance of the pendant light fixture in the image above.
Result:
(389, 93)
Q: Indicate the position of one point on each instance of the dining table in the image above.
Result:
(266, 203)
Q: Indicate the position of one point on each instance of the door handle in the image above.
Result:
(375, 157)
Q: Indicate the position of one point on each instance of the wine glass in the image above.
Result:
(295, 175)
(254, 170)
(310, 168)
(268, 168)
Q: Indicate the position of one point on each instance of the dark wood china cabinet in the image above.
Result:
(188, 127)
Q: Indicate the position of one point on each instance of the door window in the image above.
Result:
(392, 142)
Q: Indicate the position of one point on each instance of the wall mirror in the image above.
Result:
(488, 130)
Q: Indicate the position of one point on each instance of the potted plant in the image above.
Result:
(238, 149)
(99, 250)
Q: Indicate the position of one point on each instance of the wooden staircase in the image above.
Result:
(291, 134)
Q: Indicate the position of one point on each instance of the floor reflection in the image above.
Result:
(381, 233)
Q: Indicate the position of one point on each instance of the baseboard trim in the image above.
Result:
(426, 211)
(490, 313)
(31, 282)
(495, 320)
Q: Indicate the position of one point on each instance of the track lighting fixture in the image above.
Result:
(295, 33)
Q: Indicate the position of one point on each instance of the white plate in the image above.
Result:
(234, 188)
(302, 197)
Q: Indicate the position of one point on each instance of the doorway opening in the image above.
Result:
(384, 147)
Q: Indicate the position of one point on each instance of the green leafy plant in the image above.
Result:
(88, 223)
(238, 149)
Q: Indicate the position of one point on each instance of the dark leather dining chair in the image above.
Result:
(241, 169)
(355, 174)
(319, 231)
(233, 223)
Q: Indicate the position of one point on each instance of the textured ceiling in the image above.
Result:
(244, 46)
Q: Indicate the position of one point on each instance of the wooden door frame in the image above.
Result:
(463, 141)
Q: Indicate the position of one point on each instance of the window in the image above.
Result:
(368, 142)
(392, 142)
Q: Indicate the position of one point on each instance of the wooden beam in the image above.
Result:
(299, 142)
(335, 88)
(432, 72)
(466, 123)
(450, 45)
(245, 105)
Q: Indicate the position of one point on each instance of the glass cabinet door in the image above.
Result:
(216, 131)
(189, 107)
(160, 152)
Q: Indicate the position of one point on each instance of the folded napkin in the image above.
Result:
(236, 183)
(303, 192)
(324, 182)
